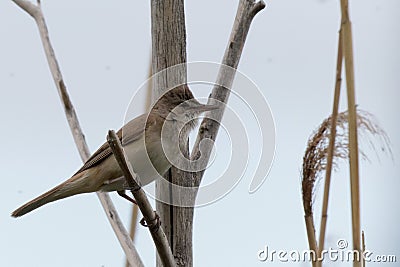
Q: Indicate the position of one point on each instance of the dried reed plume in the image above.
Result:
(315, 158)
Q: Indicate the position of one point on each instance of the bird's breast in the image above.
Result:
(147, 159)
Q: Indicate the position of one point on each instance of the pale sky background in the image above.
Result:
(103, 48)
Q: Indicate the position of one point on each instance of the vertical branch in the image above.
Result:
(353, 138)
(331, 146)
(123, 237)
(168, 33)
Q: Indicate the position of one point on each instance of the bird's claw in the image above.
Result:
(153, 224)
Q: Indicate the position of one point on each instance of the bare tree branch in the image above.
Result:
(159, 238)
(247, 9)
(123, 236)
(168, 33)
(37, 14)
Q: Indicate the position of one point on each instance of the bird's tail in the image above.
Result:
(66, 189)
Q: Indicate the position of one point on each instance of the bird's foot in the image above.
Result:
(153, 224)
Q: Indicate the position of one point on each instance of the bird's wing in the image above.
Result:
(130, 132)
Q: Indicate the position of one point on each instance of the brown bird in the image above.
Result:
(150, 141)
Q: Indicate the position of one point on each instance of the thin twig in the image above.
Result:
(353, 137)
(331, 147)
(123, 236)
(159, 238)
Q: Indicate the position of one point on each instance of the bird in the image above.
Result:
(151, 141)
